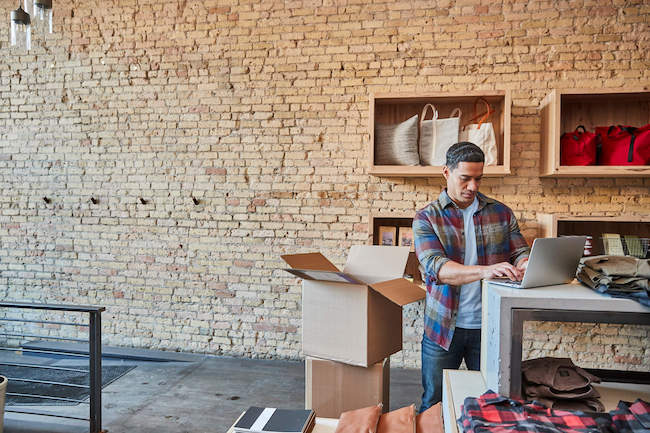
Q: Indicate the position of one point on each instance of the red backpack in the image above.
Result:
(624, 145)
(578, 148)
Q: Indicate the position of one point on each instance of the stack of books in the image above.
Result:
(272, 420)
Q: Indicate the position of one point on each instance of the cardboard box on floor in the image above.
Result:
(354, 316)
(333, 387)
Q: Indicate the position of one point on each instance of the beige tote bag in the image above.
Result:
(397, 144)
(437, 136)
(482, 133)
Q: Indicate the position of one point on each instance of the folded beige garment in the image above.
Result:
(619, 265)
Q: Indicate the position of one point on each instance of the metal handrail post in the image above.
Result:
(95, 351)
(94, 355)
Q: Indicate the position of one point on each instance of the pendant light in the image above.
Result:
(21, 31)
(42, 16)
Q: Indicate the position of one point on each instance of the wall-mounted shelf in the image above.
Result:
(396, 108)
(563, 110)
(558, 225)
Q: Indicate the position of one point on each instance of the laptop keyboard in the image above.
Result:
(507, 282)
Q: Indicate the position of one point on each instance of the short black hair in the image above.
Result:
(463, 151)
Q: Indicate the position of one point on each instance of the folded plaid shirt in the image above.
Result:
(494, 413)
(632, 417)
(438, 231)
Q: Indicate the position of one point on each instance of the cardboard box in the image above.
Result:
(333, 387)
(354, 316)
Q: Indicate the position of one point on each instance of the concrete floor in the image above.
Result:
(202, 396)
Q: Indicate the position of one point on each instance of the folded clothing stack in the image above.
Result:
(618, 276)
(494, 413)
(559, 384)
(404, 420)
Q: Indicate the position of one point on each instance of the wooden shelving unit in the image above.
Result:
(563, 110)
(557, 225)
(394, 219)
(396, 108)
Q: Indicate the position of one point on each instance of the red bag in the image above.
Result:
(578, 148)
(624, 145)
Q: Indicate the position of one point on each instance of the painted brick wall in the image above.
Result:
(216, 135)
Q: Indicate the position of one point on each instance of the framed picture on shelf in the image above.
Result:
(387, 235)
(406, 237)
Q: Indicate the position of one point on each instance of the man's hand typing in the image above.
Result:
(503, 270)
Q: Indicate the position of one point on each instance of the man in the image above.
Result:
(460, 239)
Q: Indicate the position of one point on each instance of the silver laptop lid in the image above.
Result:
(553, 261)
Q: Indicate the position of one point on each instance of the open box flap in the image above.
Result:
(374, 263)
(400, 291)
(331, 276)
(311, 261)
(314, 266)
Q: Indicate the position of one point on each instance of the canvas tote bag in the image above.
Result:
(437, 135)
(482, 133)
(397, 144)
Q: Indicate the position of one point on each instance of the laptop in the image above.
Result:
(552, 261)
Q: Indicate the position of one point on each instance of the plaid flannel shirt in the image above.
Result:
(632, 417)
(438, 231)
(494, 413)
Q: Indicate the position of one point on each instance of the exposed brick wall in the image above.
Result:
(257, 111)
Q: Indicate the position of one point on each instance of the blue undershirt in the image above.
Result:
(469, 304)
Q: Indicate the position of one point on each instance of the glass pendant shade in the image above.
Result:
(42, 16)
(21, 31)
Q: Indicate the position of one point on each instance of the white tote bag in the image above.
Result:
(437, 136)
(482, 133)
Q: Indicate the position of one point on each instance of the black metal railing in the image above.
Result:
(94, 356)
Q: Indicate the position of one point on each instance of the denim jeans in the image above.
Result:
(466, 344)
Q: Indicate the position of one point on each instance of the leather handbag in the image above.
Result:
(362, 420)
(437, 135)
(482, 132)
(398, 421)
(624, 145)
(579, 147)
(430, 421)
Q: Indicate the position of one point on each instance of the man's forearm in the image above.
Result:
(456, 274)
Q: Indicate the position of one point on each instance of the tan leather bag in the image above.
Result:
(429, 421)
(398, 421)
(360, 420)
